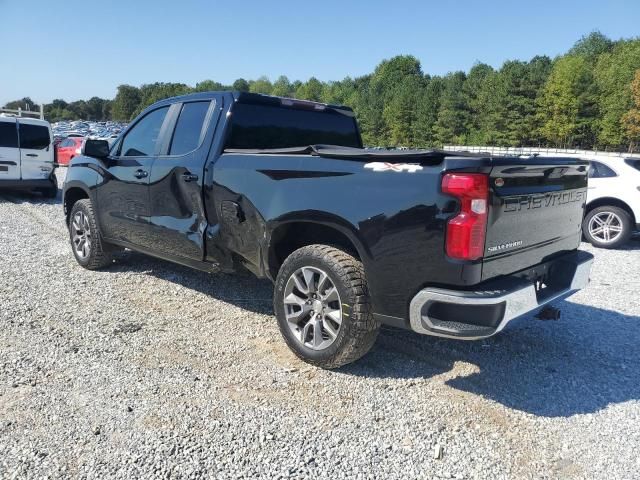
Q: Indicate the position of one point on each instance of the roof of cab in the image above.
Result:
(31, 121)
(246, 97)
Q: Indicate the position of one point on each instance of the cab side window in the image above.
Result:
(186, 137)
(600, 170)
(34, 137)
(8, 135)
(141, 140)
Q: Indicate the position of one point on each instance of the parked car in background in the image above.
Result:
(68, 148)
(110, 138)
(77, 128)
(27, 155)
(613, 201)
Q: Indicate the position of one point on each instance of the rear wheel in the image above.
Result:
(322, 304)
(86, 241)
(607, 227)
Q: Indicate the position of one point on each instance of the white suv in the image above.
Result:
(27, 155)
(613, 201)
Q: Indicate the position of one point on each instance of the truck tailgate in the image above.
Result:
(535, 213)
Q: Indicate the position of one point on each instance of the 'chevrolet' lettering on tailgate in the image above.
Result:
(530, 202)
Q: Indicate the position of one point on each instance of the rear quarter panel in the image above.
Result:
(396, 220)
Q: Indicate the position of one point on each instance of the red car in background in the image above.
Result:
(68, 148)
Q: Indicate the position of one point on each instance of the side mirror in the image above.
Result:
(95, 148)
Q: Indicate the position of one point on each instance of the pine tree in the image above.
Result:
(631, 119)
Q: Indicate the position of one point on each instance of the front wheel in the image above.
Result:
(322, 304)
(607, 227)
(86, 241)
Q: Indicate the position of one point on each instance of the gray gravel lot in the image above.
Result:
(150, 370)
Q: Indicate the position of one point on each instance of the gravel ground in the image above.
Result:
(150, 370)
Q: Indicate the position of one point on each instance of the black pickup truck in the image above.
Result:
(442, 243)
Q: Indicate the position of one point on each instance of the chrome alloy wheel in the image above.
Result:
(81, 235)
(605, 227)
(312, 308)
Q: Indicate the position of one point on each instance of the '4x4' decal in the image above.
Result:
(393, 167)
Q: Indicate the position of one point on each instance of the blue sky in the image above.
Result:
(75, 49)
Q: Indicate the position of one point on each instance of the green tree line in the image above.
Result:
(585, 98)
(95, 108)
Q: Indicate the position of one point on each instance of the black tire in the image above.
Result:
(358, 330)
(623, 219)
(99, 254)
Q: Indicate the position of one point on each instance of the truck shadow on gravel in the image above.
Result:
(633, 244)
(579, 365)
(240, 289)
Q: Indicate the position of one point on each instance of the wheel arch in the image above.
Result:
(292, 235)
(72, 194)
(613, 202)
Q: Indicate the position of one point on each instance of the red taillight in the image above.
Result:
(466, 231)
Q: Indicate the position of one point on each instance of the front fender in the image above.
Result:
(82, 174)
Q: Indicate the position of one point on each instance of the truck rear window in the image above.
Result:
(256, 126)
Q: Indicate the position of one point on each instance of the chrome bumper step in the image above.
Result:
(499, 301)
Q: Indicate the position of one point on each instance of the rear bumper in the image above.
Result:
(480, 313)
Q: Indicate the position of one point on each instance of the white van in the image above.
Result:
(27, 155)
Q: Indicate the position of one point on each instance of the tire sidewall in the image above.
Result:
(346, 300)
(80, 206)
(626, 227)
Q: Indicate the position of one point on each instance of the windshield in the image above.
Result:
(255, 126)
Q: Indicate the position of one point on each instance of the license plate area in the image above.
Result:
(543, 279)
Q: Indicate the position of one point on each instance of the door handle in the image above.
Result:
(141, 174)
(32, 154)
(189, 177)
